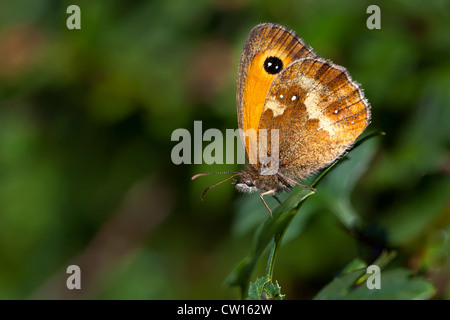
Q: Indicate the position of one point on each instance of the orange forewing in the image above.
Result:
(265, 40)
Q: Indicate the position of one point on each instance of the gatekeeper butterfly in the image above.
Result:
(317, 108)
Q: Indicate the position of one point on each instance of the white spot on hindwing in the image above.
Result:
(312, 104)
(276, 106)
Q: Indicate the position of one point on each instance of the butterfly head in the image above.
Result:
(246, 183)
(251, 181)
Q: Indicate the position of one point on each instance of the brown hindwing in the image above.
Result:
(319, 112)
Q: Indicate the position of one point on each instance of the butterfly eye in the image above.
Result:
(273, 65)
(249, 181)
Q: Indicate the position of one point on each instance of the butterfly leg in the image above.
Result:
(276, 198)
(270, 192)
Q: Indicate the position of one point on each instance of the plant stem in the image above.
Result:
(271, 261)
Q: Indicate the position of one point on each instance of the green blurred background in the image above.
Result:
(86, 118)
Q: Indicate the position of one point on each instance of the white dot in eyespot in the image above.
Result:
(336, 111)
(353, 122)
(281, 96)
(294, 98)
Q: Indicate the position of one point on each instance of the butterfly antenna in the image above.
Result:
(215, 185)
(209, 173)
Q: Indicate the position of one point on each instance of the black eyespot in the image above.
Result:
(273, 65)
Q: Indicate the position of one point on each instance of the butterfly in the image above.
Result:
(315, 107)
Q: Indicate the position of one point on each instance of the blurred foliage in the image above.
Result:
(86, 177)
(395, 284)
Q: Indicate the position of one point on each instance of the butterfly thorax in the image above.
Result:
(251, 181)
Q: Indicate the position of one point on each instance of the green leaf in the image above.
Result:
(396, 284)
(354, 265)
(264, 289)
(340, 286)
(382, 261)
